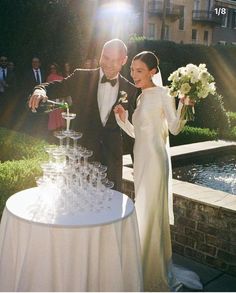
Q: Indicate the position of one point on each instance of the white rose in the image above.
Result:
(203, 93)
(185, 88)
(194, 79)
(174, 76)
(202, 66)
(204, 75)
(182, 70)
(173, 93)
(212, 88)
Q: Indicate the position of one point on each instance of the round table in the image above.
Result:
(83, 251)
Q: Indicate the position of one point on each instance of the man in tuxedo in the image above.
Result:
(7, 91)
(34, 76)
(28, 122)
(94, 93)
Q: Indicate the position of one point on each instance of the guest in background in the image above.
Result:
(34, 76)
(7, 91)
(11, 65)
(35, 125)
(67, 70)
(54, 73)
(90, 63)
(55, 120)
(3, 75)
(7, 76)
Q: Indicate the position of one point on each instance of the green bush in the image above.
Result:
(230, 135)
(192, 134)
(210, 113)
(232, 118)
(20, 162)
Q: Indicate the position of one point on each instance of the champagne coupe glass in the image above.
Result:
(76, 136)
(100, 176)
(72, 155)
(61, 135)
(60, 159)
(108, 191)
(67, 133)
(49, 149)
(86, 154)
(68, 117)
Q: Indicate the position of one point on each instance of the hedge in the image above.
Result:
(230, 135)
(193, 134)
(232, 118)
(20, 157)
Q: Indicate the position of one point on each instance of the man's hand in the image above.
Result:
(36, 98)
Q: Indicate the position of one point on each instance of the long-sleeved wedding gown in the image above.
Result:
(155, 114)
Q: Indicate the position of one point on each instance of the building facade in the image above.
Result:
(190, 21)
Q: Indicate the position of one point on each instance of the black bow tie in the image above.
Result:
(112, 81)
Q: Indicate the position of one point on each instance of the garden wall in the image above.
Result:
(202, 232)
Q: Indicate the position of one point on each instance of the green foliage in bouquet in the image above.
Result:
(191, 135)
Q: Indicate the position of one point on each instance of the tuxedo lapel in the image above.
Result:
(93, 93)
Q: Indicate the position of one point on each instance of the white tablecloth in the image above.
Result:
(93, 251)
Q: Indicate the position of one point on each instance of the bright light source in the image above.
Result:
(118, 8)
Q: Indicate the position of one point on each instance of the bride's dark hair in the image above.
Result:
(149, 58)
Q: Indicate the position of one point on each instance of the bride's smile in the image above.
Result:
(141, 74)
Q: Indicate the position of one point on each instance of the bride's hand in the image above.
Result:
(187, 101)
(118, 109)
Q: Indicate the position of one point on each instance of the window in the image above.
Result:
(234, 19)
(196, 5)
(155, 5)
(167, 33)
(168, 6)
(151, 31)
(209, 5)
(181, 19)
(194, 36)
(205, 37)
(224, 22)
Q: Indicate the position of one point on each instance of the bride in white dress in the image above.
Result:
(155, 114)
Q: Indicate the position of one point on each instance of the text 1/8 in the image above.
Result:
(220, 11)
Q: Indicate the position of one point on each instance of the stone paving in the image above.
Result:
(212, 280)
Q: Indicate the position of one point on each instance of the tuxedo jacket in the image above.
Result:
(10, 81)
(82, 86)
(29, 81)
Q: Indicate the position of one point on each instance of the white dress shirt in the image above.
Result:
(1, 73)
(107, 96)
(39, 73)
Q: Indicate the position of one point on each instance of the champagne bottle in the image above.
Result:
(46, 106)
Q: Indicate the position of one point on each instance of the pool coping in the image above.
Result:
(207, 195)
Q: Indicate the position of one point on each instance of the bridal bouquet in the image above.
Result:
(194, 82)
